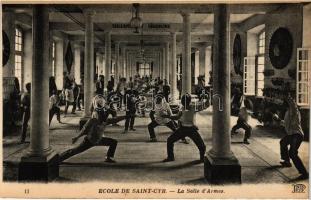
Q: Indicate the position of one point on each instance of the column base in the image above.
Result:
(222, 170)
(39, 168)
(83, 120)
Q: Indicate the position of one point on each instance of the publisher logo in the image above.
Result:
(299, 188)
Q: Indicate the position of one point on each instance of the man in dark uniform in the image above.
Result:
(166, 90)
(26, 111)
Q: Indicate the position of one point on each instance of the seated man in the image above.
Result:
(160, 116)
(187, 129)
(94, 137)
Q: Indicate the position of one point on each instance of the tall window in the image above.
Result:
(144, 69)
(249, 76)
(303, 76)
(260, 64)
(18, 54)
(261, 43)
(53, 59)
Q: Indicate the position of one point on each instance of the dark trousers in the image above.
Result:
(130, 119)
(73, 106)
(294, 142)
(166, 97)
(171, 125)
(183, 132)
(80, 101)
(26, 117)
(52, 112)
(244, 125)
(112, 112)
(86, 144)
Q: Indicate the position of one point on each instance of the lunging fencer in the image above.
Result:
(187, 129)
(95, 136)
(293, 138)
(160, 115)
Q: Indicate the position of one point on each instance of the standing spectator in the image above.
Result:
(81, 96)
(100, 85)
(166, 90)
(52, 85)
(15, 101)
(69, 97)
(76, 93)
(54, 107)
(110, 86)
(26, 111)
(131, 101)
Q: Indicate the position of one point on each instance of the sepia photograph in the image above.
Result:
(147, 99)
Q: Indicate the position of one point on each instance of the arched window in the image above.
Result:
(144, 69)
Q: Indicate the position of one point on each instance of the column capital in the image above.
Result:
(107, 31)
(89, 12)
(173, 34)
(185, 13)
(77, 46)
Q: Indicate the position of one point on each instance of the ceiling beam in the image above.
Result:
(156, 8)
(147, 38)
(252, 22)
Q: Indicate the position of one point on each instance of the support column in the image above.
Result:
(107, 56)
(103, 67)
(59, 63)
(40, 156)
(202, 52)
(27, 57)
(123, 58)
(221, 165)
(167, 61)
(117, 62)
(163, 63)
(77, 60)
(208, 64)
(186, 64)
(173, 79)
(88, 63)
(196, 66)
(100, 63)
(160, 63)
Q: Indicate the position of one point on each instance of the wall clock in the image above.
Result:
(280, 48)
(237, 55)
(5, 48)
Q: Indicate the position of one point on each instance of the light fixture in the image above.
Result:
(136, 22)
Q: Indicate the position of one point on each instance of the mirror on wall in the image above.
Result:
(237, 55)
(280, 48)
(5, 48)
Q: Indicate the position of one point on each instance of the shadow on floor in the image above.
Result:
(145, 165)
(199, 181)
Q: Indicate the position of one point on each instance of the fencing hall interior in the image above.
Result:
(240, 66)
